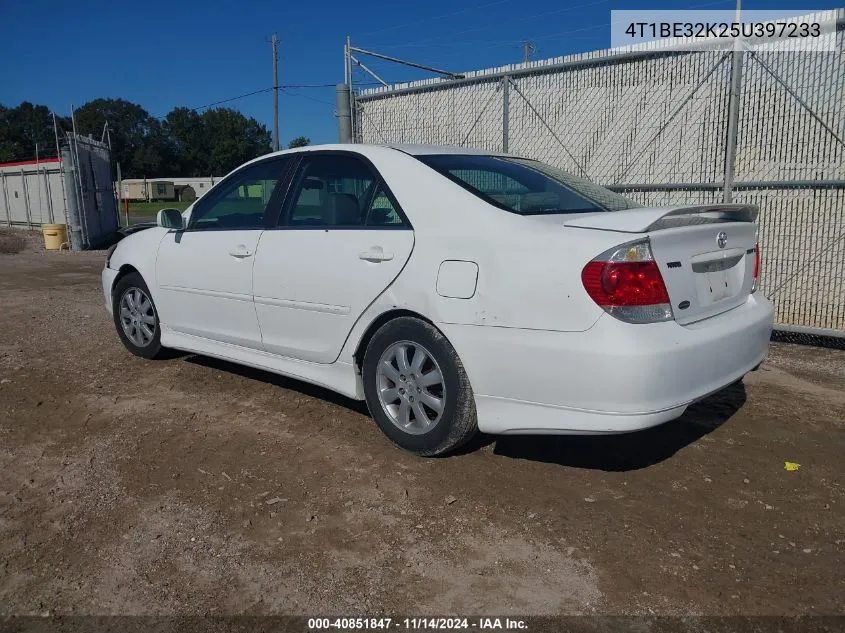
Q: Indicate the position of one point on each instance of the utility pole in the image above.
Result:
(527, 50)
(275, 43)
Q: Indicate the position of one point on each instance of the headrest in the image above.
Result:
(379, 217)
(539, 201)
(345, 208)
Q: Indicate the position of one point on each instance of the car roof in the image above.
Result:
(418, 149)
(412, 149)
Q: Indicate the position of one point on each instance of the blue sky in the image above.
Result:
(192, 53)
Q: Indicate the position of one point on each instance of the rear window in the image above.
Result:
(524, 186)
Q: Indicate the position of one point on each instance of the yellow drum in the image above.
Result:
(54, 235)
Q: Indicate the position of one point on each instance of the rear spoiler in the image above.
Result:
(658, 218)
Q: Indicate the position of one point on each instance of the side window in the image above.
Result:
(241, 201)
(382, 211)
(340, 190)
(332, 191)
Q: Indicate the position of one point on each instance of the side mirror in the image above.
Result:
(170, 219)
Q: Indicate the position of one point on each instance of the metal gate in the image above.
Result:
(91, 204)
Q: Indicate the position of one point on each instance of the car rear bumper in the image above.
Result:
(613, 378)
(108, 276)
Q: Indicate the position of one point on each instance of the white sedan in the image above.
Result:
(453, 290)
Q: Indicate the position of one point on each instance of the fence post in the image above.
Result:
(6, 202)
(733, 121)
(506, 84)
(48, 192)
(74, 227)
(26, 200)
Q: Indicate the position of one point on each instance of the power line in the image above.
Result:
(286, 87)
(247, 94)
(282, 88)
(296, 94)
(332, 85)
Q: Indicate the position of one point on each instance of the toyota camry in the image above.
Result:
(453, 290)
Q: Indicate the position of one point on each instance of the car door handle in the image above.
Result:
(375, 254)
(240, 251)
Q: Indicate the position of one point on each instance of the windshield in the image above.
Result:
(524, 186)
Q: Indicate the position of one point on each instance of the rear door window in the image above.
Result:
(341, 190)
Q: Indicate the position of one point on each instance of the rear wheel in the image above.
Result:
(136, 318)
(416, 388)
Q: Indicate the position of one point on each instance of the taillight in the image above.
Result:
(626, 283)
(756, 267)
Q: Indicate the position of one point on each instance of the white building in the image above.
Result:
(186, 189)
(31, 193)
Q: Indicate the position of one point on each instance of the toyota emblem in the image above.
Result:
(722, 239)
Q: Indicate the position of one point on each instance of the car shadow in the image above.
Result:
(629, 451)
(612, 453)
(292, 384)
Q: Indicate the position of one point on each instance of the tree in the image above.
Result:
(214, 142)
(232, 139)
(299, 141)
(24, 126)
(135, 135)
(188, 142)
(185, 143)
(154, 157)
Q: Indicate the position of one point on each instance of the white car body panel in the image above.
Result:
(505, 290)
(604, 380)
(204, 281)
(137, 251)
(338, 376)
(307, 313)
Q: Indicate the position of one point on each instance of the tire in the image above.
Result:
(386, 389)
(142, 320)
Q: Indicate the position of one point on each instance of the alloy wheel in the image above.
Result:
(410, 387)
(137, 316)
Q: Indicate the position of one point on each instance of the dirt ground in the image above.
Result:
(192, 486)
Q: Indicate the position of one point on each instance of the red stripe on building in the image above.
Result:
(21, 163)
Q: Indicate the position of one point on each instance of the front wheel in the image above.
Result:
(416, 388)
(136, 318)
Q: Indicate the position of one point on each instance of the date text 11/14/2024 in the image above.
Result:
(421, 623)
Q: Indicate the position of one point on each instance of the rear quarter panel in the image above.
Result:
(529, 272)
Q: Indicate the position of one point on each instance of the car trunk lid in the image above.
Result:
(706, 253)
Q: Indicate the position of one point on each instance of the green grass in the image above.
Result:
(146, 211)
(151, 208)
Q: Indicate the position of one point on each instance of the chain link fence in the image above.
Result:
(656, 125)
